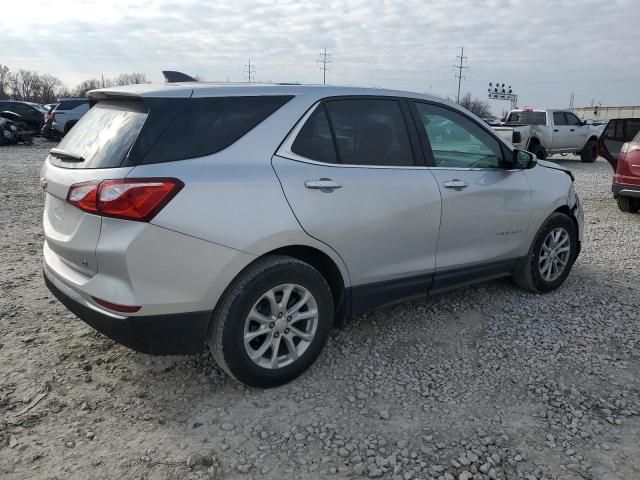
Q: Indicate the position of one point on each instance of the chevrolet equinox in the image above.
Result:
(247, 218)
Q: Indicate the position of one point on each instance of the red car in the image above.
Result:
(620, 145)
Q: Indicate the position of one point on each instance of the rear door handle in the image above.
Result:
(322, 184)
(556, 130)
(455, 184)
(572, 129)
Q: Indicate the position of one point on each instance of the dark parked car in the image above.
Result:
(31, 113)
(620, 145)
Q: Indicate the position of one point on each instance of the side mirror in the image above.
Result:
(523, 160)
(588, 122)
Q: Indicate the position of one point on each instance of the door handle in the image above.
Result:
(556, 130)
(572, 129)
(322, 184)
(455, 184)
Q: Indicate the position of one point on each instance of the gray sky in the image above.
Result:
(546, 49)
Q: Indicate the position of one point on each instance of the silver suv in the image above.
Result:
(67, 113)
(249, 218)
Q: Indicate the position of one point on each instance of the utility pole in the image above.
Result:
(325, 59)
(250, 70)
(102, 79)
(460, 67)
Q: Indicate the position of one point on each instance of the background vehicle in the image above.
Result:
(47, 130)
(555, 131)
(67, 114)
(32, 113)
(176, 223)
(620, 145)
(517, 135)
(14, 130)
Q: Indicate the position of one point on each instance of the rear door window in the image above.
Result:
(207, 125)
(314, 140)
(104, 135)
(370, 132)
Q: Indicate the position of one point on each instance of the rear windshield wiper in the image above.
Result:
(65, 155)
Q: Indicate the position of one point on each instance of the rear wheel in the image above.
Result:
(628, 204)
(539, 151)
(68, 127)
(272, 322)
(590, 152)
(551, 256)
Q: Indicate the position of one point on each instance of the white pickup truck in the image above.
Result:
(547, 132)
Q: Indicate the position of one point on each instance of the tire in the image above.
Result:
(539, 151)
(590, 152)
(528, 274)
(247, 294)
(68, 127)
(628, 204)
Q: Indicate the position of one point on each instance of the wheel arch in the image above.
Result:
(327, 267)
(569, 213)
(534, 141)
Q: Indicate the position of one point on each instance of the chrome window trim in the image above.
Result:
(285, 151)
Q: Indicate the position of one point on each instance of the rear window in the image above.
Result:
(104, 135)
(205, 126)
(529, 118)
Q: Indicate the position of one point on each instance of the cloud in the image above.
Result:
(546, 49)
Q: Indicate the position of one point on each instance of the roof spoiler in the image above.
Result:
(171, 76)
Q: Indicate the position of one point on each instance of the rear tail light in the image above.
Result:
(137, 199)
(630, 147)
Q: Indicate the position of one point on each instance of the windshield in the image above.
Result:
(530, 118)
(104, 135)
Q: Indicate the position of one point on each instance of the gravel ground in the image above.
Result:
(488, 382)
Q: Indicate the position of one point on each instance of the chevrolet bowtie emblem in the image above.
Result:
(43, 184)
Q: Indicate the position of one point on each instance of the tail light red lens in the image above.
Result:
(138, 199)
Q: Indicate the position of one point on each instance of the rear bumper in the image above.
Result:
(175, 334)
(626, 191)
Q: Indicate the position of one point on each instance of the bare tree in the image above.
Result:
(476, 106)
(4, 79)
(86, 85)
(24, 84)
(130, 79)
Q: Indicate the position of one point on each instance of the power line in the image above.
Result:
(325, 59)
(460, 67)
(250, 71)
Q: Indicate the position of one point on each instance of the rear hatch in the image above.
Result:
(95, 149)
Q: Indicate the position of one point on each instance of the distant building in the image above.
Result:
(599, 112)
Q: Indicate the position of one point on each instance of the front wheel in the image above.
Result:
(589, 152)
(551, 256)
(272, 322)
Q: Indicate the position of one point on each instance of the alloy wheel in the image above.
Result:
(280, 326)
(554, 254)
